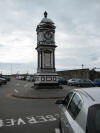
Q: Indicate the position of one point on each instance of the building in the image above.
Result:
(76, 73)
(80, 73)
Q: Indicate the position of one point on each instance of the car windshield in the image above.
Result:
(93, 121)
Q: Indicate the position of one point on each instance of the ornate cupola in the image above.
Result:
(46, 73)
(45, 31)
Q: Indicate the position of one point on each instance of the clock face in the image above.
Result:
(48, 35)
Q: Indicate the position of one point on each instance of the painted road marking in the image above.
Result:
(57, 130)
(28, 120)
(16, 90)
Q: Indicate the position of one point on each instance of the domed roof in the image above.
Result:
(45, 19)
(46, 23)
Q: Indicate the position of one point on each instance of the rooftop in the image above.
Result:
(93, 92)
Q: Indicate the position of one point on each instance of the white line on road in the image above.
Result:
(16, 91)
(57, 130)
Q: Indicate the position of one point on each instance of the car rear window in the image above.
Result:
(75, 106)
(93, 120)
(68, 98)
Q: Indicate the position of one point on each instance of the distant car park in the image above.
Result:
(84, 83)
(80, 111)
(20, 77)
(29, 78)
(80, 82)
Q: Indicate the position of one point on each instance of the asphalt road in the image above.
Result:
(26, 115)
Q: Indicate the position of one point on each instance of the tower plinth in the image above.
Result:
(46, 76)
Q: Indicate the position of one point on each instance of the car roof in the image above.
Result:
(97, 79)
(93, 93)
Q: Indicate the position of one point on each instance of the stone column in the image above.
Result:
(51, 58)
(54, 59)
(41, 60)
(38, 60)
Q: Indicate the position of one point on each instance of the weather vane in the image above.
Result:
(45, 14)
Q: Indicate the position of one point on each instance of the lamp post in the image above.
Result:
(11, 69)
(82, 66)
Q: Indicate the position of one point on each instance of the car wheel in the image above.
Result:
(79, 85)
(70, 84)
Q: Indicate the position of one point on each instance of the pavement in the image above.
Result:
(32, 93)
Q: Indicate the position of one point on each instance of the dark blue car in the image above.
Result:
(62, 80)
(97, 82)
(84, 83)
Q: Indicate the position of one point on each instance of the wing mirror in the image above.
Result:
(60, 102)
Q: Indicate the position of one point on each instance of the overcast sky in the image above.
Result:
(77, 32)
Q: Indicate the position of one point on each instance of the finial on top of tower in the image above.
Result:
(45, 14)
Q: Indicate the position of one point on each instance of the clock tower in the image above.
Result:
(46, 76)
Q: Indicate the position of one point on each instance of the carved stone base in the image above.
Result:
(46, 81)
(47, 86)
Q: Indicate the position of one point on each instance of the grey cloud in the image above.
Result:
(94, 58)
(77, 18)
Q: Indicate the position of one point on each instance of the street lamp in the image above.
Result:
(82, 66)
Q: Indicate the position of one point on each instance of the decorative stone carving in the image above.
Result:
(46, 73)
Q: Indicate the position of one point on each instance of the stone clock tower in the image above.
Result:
(46, 76)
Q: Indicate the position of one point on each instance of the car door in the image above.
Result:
(74, 109)
(63, 111)
(70, 124)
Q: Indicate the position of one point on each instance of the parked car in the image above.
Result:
(62, 80)
(80, 111)
(20, 77)
(0, 82)
(4, 81)
(84, 83)
(97, 82)
(6, 77)
(29, 78)
(71, 82)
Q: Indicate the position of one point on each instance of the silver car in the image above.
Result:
(71, 82)
(80, 111)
